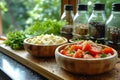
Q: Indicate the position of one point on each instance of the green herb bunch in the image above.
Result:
(15, 40)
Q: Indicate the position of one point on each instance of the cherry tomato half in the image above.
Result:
(86, 47)
(64, 52)
(108, 50)
(95, 50)
(76, 47)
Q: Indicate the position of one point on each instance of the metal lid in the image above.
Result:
(116, 6)
(68, 7)
(82, 7)
(99, 6)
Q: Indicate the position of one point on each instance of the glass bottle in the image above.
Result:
(68, 16)
(80, 29)
(97, 23)
(113, 27)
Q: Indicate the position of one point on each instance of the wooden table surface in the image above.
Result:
(49, 68)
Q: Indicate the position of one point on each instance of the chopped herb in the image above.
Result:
(72, 52)
(96, 41)
(103, 55)
(87, 52)
(15, 40)
(77, 39)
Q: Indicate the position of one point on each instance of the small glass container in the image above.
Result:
(68, 16)
(113, 27)
(97, 23)
(80, 29)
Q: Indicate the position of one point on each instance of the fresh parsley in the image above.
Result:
(103, 55)
(15, 40)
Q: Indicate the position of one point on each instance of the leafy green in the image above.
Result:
(46, 27)
(15, 40)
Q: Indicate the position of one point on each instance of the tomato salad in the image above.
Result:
(86, 49)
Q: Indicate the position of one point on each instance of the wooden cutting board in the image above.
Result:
(49, 68)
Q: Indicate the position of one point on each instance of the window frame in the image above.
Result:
(73, 2)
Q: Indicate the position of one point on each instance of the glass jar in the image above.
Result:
(68, 16)
(80, 29)
(113, 27)
(97, 23)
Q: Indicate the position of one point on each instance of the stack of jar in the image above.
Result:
(96, 27)
(80, 29)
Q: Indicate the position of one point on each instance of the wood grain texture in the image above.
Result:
(48, 67)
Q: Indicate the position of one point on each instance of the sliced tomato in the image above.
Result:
(64, 52)
(95, 50)
(108, 50)
(86, 47)
(76, 47)
(78, 54)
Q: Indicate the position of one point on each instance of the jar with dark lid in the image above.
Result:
(80, 29)
(97, 23)
(68, 16)
(113, 27)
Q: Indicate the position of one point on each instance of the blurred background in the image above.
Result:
(19, 14)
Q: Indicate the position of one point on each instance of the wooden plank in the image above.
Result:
(32, 63)
(49, 68)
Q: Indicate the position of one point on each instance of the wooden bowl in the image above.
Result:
(85, 66)
(41, 50)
